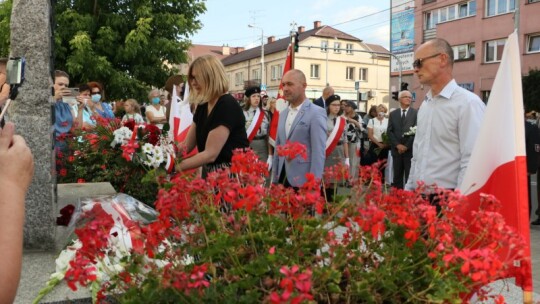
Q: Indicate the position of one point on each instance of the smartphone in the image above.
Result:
(15, 70)
(74, 91)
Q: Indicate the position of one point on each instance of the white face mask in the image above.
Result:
(381, 114)
(533, 121)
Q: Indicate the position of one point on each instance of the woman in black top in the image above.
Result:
(218, 126)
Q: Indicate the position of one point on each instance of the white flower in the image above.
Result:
(148, 149)
(121, 136)
(411, 132)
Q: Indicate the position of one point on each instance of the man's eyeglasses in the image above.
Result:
(418, 62)
(94, 93)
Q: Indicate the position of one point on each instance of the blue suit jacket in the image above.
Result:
(309, 129)
(320, 102)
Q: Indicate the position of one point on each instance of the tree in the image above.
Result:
(5, 18)
(128, 45)
(531, 90)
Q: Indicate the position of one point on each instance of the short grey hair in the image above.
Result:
(442, 46)
(403, 92)
(152, 93)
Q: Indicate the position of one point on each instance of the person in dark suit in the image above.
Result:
(532, 150)
(400, 122)
(300, 122)
(321, 101)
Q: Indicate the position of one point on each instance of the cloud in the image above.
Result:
(379, 35)
(321, 4)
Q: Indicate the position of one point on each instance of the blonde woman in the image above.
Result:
(376, 132)
(133, 112)
(218, 126)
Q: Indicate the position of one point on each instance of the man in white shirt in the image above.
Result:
(448, 120)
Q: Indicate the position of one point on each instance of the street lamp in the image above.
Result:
(262, 54)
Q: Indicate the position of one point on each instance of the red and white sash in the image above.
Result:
(255, 124)
(272, 134)
(335, 135)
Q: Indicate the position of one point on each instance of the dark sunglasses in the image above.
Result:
(418, 62)
(94, 93)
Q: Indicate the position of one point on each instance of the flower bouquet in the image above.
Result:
(131, 157)
(229, 239)
(410, 132)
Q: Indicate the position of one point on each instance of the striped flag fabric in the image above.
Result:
(281, 104)
(498, 165)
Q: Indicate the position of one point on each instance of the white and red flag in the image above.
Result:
(498, 165)
(180, 118)
(280, 102)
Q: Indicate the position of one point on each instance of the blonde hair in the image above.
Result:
(383, 107)
(134, 104)
(210, 76)
(269, 103)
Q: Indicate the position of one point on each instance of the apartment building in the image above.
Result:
(477, 31)
(355, 69)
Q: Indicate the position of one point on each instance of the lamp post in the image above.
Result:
(263, 73)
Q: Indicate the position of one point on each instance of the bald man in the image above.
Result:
(301, 122)
(321, 101)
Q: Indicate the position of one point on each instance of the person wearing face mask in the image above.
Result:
(100, 107)
(378, 149)
(156, 114)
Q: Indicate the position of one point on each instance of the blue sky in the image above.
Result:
(226, 21)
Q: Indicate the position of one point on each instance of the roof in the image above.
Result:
(197, 50)
(281, 44)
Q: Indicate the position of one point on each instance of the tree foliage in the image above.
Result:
(531, 90)
(128, 45)
(5, 18)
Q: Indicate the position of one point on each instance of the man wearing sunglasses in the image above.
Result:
(448, 121)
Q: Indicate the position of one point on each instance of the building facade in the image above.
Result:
(355, 69)
(477, 31)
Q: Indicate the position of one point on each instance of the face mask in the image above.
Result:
(96, 98)
(381, 114)
(533, 121)
(155, 100)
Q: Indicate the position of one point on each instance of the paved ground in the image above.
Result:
(37, 266)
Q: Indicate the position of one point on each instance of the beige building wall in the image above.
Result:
(331, 66)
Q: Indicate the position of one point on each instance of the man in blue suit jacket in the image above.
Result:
(321, 101)
(304, 123)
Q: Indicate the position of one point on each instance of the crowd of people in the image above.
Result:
(432, 144)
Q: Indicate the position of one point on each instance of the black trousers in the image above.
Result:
(401, 165)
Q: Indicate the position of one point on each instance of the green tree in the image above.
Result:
(128, 45)
(531, 90)
(5, 18)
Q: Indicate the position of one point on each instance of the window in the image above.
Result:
(533, 43)
(337, 47)
(256, 74)
(494, 50)
(497, 7)
(362, 74)
(349, 47)
(277, 71)
(239, 78)
(464, 51)
(314, 73)
(324, 45)
(349, 73)
(532, 1)
(449, 13)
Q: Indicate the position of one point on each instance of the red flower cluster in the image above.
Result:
(296, 286)
(292, 150)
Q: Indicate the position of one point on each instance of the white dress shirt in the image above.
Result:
(291, 116)
(447, 127)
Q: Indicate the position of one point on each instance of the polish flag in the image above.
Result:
(498, 166)
(281, 104)
(181, 117)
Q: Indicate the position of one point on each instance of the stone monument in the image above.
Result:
(31, 112)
